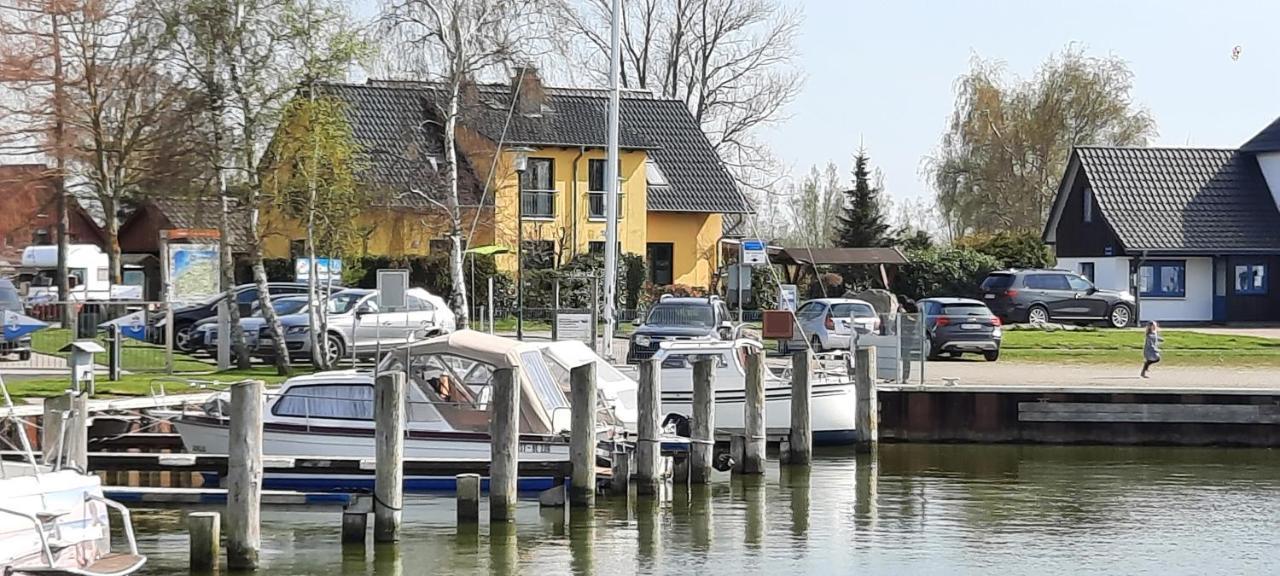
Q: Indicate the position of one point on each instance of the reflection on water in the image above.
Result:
(909, 509)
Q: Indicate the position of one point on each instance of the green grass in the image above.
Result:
(1180, 348)
(136, 355)
(141, 384)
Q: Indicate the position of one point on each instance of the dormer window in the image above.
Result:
(1088, 206)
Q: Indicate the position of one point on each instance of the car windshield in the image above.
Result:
(9, 299)
(692, 315)
(289, 305)
(810, 310)
(997, 282)
(852, 310)
(344, 302)
(965, 310)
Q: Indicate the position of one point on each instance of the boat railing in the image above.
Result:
(125, 519)
(39, 526)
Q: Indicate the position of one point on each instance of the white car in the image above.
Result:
(356, 323)
(827, 323)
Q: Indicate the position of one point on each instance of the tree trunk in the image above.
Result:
(264, 296)
(460, 307)
(59, 155)
(109, 209)
(229, 280)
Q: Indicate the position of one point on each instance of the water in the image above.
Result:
(914, 509)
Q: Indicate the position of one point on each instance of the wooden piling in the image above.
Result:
(800, 441)
(244, 476)
(647, 444)
(65, 430)
(702, 429)
(753, 448)
(737, 446)
(866, 418)
(205, 531)
(582, 441)
(620, 483)
(355, 525)
(468, 498)
(388, 486)
(504, 431)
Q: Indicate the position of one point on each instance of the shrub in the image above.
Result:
(943, 272)
(1011, 249)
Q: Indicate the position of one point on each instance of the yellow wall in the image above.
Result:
(385, 232)
(694, 237)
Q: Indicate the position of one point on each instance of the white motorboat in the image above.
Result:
(330, 414)
(55, 521)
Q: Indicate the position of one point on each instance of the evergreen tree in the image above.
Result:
(864, 223)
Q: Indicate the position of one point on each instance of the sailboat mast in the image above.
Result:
(612, 181)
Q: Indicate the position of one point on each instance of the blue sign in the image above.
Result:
(130, 325)
(18, 325)
(754, 253)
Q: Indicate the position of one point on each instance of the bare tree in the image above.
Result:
(451, 43)
(815, 208)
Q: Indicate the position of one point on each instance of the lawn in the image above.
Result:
(137, 355)
(142, 384)
(1181, 347)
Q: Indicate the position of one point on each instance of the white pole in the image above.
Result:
(611, 181)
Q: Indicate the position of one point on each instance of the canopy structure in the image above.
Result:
(796, 260)
(488, 250)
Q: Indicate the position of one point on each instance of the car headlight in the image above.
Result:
(996, 332)
(642, 340)
(295, 330)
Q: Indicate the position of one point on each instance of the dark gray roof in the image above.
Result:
(698, 180)
(1268, 140)
(1183, 199)
(199, 213)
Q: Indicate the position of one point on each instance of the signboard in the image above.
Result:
(788, 297)
(130, 325)
(754, 253)
(326, 269)
(194, 272)
(392, 284)
(574, 327)
(18, 325)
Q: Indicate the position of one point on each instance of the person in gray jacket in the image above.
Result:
(1151, 348)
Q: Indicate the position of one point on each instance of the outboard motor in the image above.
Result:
(681, 423)
(723, 462)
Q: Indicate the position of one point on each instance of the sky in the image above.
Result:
(883, 72)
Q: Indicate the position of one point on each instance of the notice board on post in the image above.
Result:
(392, 285)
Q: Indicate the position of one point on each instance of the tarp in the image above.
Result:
(488, 250)
(18, 325)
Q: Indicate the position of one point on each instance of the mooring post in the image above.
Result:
(504, 432)
(388, 437)
(65, 430)
(205, 530)
(620, 483)
(647, 444)
(800, 446)
(737, 449)
(468, 499)
(866, 417)
(702, 443)
(753, 448)
(582, 440)
(244, 476)
(355, 525)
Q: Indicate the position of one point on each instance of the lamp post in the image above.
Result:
(520, 159)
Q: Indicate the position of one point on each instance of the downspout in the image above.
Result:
(582, 150)
(1136, 282)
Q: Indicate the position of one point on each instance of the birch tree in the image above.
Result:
(449, 43)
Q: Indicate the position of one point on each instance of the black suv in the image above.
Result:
(1042, 296)
(185, 318)
(680, 319)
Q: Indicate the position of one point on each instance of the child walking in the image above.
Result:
(1151, 349)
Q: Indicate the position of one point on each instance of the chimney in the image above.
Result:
(531, 96)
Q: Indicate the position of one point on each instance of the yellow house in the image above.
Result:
(675, 191)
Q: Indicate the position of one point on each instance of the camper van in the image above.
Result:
(88, 274)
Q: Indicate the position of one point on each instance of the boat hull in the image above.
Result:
(81, 523)
(831, 410)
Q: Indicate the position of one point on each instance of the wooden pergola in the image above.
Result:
(796, 261)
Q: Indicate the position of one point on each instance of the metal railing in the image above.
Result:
(109, 323)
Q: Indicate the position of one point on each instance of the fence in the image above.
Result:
(96, 321)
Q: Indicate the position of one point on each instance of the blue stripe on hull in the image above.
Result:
(319, 483)
(834, 437)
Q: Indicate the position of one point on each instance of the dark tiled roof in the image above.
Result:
(203, 213)
(1183, 199)
(1268, 140)
(698, 180)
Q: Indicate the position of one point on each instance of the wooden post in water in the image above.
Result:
(504, 433)
(753, 447)
(800, 446)
(65, 430)
(244, 476)
(620, 484)
(355, 526)
(582, 441)
(702, 443)
(205, 530)
(388, 438)
(647, 444)
(866, 417)
(468, 499)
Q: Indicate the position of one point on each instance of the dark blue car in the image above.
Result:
(956, 326)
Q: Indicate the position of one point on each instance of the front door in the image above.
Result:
(661, 257)
(1089, 303)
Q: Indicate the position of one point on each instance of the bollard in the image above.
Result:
(753, 447)
(582, 485)
(504, 432)
(388, 437)
(65, 431)
(799, 449)
(680, 473)
(737, 444)
(866, 417)
(620, 483)
(205, 530)
(647, 444)
(244, 476)
(702, 442)
(354, 527)
(468, 498)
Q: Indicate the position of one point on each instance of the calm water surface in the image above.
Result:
(911, 509)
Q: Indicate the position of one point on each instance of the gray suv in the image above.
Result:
(1043, 296)
(680, 319)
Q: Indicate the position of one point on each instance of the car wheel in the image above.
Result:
(816, 343)
(182, 340)
(334, 348)
(1121, 316)
(1038, 315)
(991, 355)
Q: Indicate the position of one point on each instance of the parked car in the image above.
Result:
(827, 323)
(356, 323)
(10, 301)
(184, 318)
(205, 332)
(955, 326)
(674, 318)
(1042, 296)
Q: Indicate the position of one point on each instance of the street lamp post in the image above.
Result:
(521, 161)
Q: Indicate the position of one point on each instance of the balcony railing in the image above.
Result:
(538, 204)
(595, 205)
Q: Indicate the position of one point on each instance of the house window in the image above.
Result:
(596, 190)
(1251, 279)
(1086, 270)
(1163, 279)
(661, 256)
(596, 248)
(538, 254)
(297, 248)
(538, 197)
(1088, 205)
